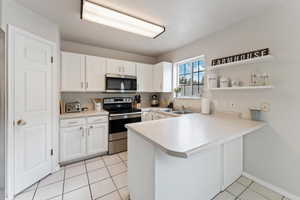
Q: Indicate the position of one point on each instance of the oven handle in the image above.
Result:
(127, 116)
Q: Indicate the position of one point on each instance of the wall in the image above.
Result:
(21, 17)
(272, 154)
(103, 52)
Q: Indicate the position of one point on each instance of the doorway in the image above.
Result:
(30, 110)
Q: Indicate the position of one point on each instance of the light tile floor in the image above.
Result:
(105, 178)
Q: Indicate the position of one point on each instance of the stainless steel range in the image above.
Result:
(121, 113)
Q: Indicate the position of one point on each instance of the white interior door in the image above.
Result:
(32, 107)
(95, 73)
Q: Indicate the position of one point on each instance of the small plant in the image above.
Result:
(177, 91)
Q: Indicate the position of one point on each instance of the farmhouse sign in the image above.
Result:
(240, 57)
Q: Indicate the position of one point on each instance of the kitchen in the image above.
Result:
(198, 105)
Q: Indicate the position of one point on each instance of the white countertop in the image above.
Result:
(83, 114)
(188, 134)
(147, 109)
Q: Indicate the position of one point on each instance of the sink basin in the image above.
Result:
(182, 112)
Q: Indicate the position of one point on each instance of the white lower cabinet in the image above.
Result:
(97, 138)
(73, 143)
(81, 141)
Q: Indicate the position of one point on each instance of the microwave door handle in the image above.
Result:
(122, 85)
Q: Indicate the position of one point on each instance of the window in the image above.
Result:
(190, 77)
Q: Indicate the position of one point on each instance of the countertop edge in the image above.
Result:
(188, 153)
(82, 114)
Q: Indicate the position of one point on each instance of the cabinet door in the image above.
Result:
(167, 77)
(129, 68)
(163, 77)
(145, 77)
(115, 66)
(157, 78)
(72, 143)
(95, 73)
(97, 138)
(72, 72)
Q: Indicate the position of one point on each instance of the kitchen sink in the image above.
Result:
(182, 112)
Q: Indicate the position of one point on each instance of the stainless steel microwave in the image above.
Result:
(120, 83)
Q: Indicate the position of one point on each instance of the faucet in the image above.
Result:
(183, 108)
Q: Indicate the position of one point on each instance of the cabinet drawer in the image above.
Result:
(95, 120)
(72, 122)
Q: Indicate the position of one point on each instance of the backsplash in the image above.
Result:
(85, 98)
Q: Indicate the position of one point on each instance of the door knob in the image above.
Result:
(21, 122)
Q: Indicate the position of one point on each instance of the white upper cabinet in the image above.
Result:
(115, 66)
(95, 74)
(129, 68)
(72, 72)
(145, 77)
(121, 67)
(80, 73)
(162, 77)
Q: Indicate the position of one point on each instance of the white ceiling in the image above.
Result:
(185, 21)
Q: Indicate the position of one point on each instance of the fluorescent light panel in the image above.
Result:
(102, 15)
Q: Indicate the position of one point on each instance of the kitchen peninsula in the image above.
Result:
(190, 157)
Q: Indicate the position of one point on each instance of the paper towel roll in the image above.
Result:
(205, 106)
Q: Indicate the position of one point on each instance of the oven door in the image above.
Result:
(118, 83)
(117, 123)
(117, 138)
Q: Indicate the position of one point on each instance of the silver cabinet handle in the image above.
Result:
(91, 127)
(81, 84)
(21, 122)
(82, 130)
(86, 85)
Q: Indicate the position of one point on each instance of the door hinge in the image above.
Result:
(51, 152)
(52, 59)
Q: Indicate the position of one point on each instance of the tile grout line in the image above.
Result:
(244, 190)
(35, 190)
(267, 198)
(127, 170)
(88, 178)
(112, 178)
(64, 181)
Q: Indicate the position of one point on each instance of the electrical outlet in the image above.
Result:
(265, 107)
(233, 105)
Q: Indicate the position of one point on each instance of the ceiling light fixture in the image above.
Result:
(102, 15)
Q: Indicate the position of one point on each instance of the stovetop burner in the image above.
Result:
(119, 105)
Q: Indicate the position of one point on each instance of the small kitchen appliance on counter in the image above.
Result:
(97, 104)
(155, 101)
(137, 102)
(73, 107)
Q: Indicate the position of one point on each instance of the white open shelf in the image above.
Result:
(244, 88)
(243, 62)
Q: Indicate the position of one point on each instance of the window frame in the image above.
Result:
(176, 75)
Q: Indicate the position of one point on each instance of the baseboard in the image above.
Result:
(272, 187)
